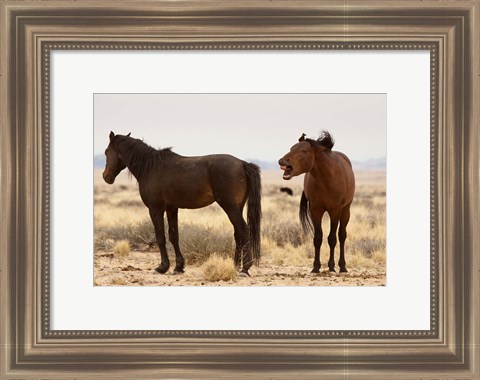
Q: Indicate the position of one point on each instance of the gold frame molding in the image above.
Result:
(32, 29)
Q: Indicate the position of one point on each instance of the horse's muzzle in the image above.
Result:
(108, 179)
(286, 167)
(283, 162)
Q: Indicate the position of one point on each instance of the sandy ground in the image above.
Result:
(138, 270)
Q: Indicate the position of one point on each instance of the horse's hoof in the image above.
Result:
(161, 270)
(243, 274)
(178, 271)
(315, 270)
(343, 270)
(332, 270)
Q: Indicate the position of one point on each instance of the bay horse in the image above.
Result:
(329, 186)
(168, 181)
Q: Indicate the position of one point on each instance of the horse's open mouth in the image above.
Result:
(287, 171)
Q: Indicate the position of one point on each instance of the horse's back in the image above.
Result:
(194, 182)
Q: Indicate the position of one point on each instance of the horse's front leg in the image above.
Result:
(156, 214)
(317, 215)
(172, 217)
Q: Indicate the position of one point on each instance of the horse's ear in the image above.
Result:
(112, 135)
(302, 137)
(129, 133)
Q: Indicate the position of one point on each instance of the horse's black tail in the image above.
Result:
(254, 212)
(304, 213)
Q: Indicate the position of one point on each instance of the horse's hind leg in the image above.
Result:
(342, 236)
(157, 220)
(241, 238)
(172, 217)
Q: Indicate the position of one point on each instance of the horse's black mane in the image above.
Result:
(326, 140)
(141, 157)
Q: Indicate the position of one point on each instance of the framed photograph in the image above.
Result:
(259, 135)
(156, 157)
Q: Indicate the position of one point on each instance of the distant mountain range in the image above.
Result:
(371, 164)
(99, 161)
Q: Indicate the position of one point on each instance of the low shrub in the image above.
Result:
(137, 234)
(367, 245)
(218, 268)
(282, 229)
(198, 243)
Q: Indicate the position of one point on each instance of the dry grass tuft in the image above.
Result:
(122, 248)
(218, 268)
(379, 257)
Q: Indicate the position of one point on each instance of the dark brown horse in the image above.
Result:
(168, 181)
(329, 186)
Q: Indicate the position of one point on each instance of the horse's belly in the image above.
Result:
(197, 203)
(322, 197)
(192, 200)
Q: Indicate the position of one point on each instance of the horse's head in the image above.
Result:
(114, 162)
(299, 160)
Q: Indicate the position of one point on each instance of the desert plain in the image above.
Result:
(125, 251)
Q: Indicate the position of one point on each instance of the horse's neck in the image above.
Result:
(133, 163)
(322, 168)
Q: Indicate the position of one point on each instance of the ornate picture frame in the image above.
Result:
(32, 30)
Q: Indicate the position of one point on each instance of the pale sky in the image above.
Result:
(248, 126)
